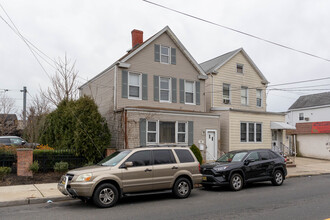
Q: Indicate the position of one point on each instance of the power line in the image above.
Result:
(238, 31)
(309, 80)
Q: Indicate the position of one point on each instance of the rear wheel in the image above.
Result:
(105, 195)
(278, 178)
(236, 182)
(182, 188)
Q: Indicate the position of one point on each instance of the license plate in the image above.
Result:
(63, 182)
(204, 178)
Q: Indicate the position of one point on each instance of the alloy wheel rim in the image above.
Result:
(106, 196)
(183, 188)
(278, 177)
(237, 182)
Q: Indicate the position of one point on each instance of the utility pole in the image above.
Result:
(24, 105)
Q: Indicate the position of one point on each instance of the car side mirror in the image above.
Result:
(128, 164)
(247, 161)
(23, 142)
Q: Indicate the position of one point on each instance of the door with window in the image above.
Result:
(211, 146)
(139, 176)
(164, 168)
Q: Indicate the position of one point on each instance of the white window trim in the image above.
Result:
(176, 133)
(255, 132)
(170, 90)
(302, 116)
(261, 99)
(194, 93)
(239, 64)
(147, 131)
(247, 95)
(229, 93)
(140, 86)
(160, 54)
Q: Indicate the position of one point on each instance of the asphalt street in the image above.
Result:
(298, 198)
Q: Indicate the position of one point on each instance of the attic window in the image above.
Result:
(239, 68)
(164, 54)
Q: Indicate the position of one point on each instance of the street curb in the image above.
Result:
(306, 175)
(28, 201)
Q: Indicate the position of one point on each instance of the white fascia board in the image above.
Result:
(124, 65)
(308, 108)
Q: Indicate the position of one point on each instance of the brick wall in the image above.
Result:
(24, 160)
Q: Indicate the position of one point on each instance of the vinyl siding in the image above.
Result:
(143, 62)
(250, 78)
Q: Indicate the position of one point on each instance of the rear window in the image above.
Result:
(265, 155)
(163, 157)
(4, 140)
(184, 156)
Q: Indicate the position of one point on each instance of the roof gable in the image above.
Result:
(214, 64)
(312, 100)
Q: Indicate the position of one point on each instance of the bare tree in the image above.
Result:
(64, 84)
(8, 118)
(36, 116)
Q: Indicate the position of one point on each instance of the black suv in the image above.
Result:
(237, 168)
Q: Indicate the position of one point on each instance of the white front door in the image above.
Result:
(211, 149)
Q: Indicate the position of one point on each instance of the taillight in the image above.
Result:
(284, 159)
(199, 167)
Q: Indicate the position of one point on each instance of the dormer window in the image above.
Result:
(164, 54)
(239, 68)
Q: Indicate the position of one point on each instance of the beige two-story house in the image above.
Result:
(236, 89)
(155, 95)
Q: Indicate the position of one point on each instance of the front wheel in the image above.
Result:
(236, 182)
(105, 195)
(277, 178)
(182, 188)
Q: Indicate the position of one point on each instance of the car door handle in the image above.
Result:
(147, 170)
(174, 168)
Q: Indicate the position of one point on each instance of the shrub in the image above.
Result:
(7, 149)
(89, 164)
(61, 167)
(44, 147)
(34, 167)
(4, 171)
(197, 153)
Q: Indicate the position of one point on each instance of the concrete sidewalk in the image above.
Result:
(41, 193)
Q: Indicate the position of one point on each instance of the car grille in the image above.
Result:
(70, 176)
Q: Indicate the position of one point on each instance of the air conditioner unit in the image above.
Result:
(226, 101)
(306, 118)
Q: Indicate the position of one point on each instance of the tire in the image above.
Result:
(182, 188)
(236, 182)
(278, 178)
(105, 195)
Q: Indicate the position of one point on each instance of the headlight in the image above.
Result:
(84, 177)
(218, 169)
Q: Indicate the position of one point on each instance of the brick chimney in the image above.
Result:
(137, 38)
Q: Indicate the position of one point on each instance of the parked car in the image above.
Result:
(236, 168)
(134, 171)
(15, 141)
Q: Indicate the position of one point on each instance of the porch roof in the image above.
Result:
(281, 126)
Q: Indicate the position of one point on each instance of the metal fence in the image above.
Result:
(48, 158)
(8, 160)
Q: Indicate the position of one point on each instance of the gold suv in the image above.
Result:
(134, 171)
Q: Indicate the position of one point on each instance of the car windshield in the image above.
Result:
(232, 157)
(114, 158)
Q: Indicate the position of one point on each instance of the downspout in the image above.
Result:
(125, 132)
(115, 89)
(212, 93)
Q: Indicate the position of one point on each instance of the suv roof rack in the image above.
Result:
(161, 146)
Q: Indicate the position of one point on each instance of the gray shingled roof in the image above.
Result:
(208, 66)
(312, 100)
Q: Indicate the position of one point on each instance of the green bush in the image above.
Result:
(88, 164)
(61, 167)
(34, 167)
(197, 153)
(4, 171)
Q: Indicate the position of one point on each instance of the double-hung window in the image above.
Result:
(259, 98)
(244, 95)
(165, 89)
(226, 93)
(190, 92)
(239, 68)
(167, 132)
(164, 54)
(134, 85)
(251, 132)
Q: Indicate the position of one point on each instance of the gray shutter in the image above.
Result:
(156, 88)
(174, 90)
(181, 91)
(157, 53)
(124, 84)
(144, 87)
(143, 136)
(190, 133)
(198, 96)
(173, 56)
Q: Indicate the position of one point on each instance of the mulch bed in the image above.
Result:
(13, 179)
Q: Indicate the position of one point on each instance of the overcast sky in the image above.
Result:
(97, 33)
